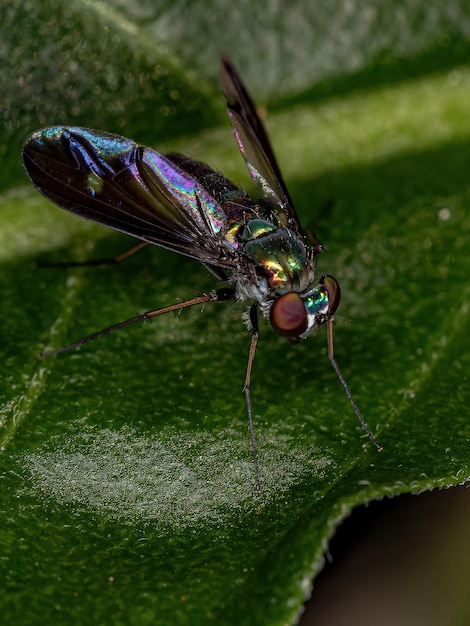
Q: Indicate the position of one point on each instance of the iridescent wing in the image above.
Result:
(256, 148)
(113, 181)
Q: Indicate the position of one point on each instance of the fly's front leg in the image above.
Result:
(251, 357)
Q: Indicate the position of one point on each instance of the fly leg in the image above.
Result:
(332, 359)
(251, 356)
(109, 261)
(216, 296)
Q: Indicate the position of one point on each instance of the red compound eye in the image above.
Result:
(288, 316)
(333, 291)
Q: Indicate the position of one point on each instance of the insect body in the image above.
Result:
(258, 248)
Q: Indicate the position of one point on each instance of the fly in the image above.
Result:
(256, 247)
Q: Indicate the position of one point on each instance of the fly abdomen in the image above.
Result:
(237, 205)
(220, 187)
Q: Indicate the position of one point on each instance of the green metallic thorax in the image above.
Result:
(283, 262)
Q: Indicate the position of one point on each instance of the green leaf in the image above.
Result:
(127, 473)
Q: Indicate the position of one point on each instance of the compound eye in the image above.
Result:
(288, 315)
(333, 292)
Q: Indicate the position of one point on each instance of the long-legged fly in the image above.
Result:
(256, 247)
